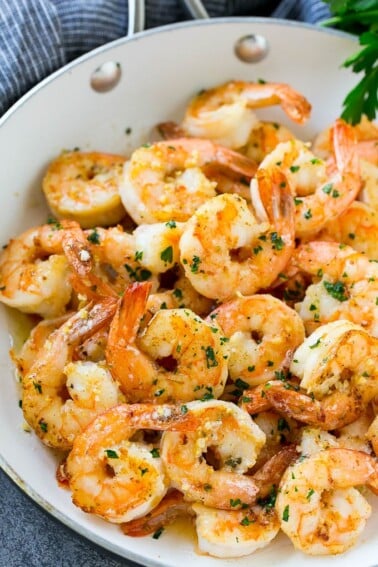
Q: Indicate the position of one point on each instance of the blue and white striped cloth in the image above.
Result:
(39, 36)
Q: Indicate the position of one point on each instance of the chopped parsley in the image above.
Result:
(336, 290)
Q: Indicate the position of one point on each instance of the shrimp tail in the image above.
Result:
(270, 474)
(90, 320)
(236, 162)
(166, 512)
(79, 256)
(171, 131)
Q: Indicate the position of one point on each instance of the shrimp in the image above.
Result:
(60, 398)
(367, 141)
(320, 193)
(337, 369)
(224, 114)
(357, 226)
(104, 262)
(348, 286)
(117, 478)
(207, 465)
(234, 533)
(34, 271)
(173, 505)
(340, 355)
(165, 182)
(318, 507)
(177, 357)
(169, 509)
(224, 249)
(263, 333)
(35, 342)
(84, 187)
(264, 138)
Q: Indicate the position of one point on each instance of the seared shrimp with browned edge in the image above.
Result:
(177, 357)
(262, 335)
(112, 475)
(60, 397)
(225, 249)
(34, 271)
(225, 114)
(230, 440)
(165, 181)
(85, 187)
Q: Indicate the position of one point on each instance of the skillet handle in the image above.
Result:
(196, 9)
(136, 17)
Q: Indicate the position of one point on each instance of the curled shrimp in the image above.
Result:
(318, 507)
(34, 271)
(60, 398)
(336, 365)
(207, 465)
(320, 193)
(346, 285)
(357, 227)
(117, 478)
(177, 356)
(84, 187)
(224, 113)
(234, 533)
(263, 334)
(225, 250)
(165, 182)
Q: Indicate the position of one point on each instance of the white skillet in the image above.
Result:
(159, 70)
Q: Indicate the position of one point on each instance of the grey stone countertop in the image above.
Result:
(30, 537)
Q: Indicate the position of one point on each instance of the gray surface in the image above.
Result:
(29, 537)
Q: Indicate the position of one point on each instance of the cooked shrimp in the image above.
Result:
(224, 113)
(234, 533)
(114, 477)
(104, 262)
(165, 182)
(337, 369)
(320, 193)
(357, 226)
(35, 342)
(225, 250)
(264, 137)
(34, 271)
(177, 357)
(60, 398)
(169, 509)
(333, 412)
(366, 133)
(84, 187)
(348, 286)
(341, 356)
(318, 507)
(226, 182)
(156, 245)
(207, 465)
(263, 334)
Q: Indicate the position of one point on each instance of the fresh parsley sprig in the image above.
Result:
(359, 17)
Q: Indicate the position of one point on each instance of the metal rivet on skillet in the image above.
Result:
(251, 48)
(106, 77)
